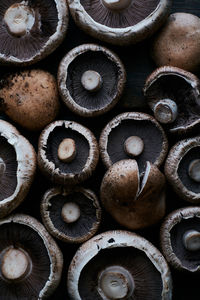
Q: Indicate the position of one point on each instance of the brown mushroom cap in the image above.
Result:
(31, 30)
(136, 20)
(94, 93)
(30, 98)
(178, 42)
(180, 87)
(83, 164)
(17, 167)
(25, 241)
(180, 239)
(137, 267)
(76, 222)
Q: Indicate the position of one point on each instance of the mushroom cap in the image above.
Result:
(116, 132)
(180, 86)
(122, 248)
(46, 34)
(177, 169)
(99, 59)
(20, 164)
(30, 98)
(181, 34)
(27, 233)
(129, 26)
(84, 227)
(175, 225)
(87, 153)
(129, 199)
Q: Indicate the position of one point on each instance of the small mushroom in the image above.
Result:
(174, 96)
(31, 30)
(17, 167)
(30, 261)
(130, 197)
(178, 42)
(30, 98)
(91, 80)
(120, 22)
(180, 239)
(182, 169)
(133, 135)
(119, 265)
(81, 152)
(71, 215)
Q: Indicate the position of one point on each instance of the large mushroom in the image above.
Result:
(91, 80)
(17, 167)
(119, 265)
(31, 30)
(120, 21)
(30, 261)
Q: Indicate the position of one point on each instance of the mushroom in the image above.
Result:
(71, 215)
(174, 96)
(177, 43)
(119, 265)
(133, 135)
(31, 30)
(182, 169)
(131, 197)
(91, 80)
(17, 167)
(30, 98)
(30, 260)
(180, 239)
(75, 161)
(120, 22)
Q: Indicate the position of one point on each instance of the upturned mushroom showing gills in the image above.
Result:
(71, 215)
(17, 167)
(30, 260)
(133, 135)
(30, 30)
(119, 265)
(173, 95)
(91, 80)
(67, 152)
(131, 197)
(180, 239)
(182, 169)
(120, 22)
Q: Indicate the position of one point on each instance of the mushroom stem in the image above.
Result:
(133, 146)
(115, 282)
(19, 19)
(67, 150)
(191, 240)
(116, 4)
(91, 81)
(70, 212)
(165, 111)
(15, 265)
(194, 170)
(2, 168)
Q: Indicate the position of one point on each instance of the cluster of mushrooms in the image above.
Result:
(139, 157)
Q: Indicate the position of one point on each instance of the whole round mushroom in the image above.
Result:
(133, 135)
(71, 215)
(30, 260)
(119, 265)
(67, 152)
(31, 30)
(173, 95)
(30, 98)
(120, 22)
(17, 167)
(91, 80)
(180, 239)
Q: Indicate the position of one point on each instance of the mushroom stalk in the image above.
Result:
(191, 240)
(165, 111)
(2, 168)
(115, 282)
(194, 170)
(67, 150)
(116, 4)
(91, 81)
(70, 212)
(133, 146)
